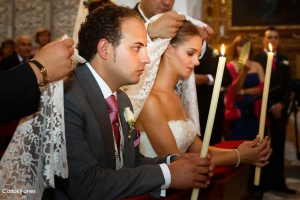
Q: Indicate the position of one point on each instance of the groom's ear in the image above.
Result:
(102, 47)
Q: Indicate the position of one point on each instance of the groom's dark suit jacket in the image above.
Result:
(90, 146)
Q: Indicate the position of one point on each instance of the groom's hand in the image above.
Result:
(189, 156)
(190, 171)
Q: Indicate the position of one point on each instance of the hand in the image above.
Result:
(247, 66)
(205, 32)
(276, 110)
(166, 26)
(255, 152)
(188, 156)
(201, 79)
(56, 58)
(190, 171)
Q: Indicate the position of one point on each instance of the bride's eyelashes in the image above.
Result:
(190, 53)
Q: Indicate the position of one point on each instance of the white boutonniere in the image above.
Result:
(129, 117)
(285, 62)
(215, 53)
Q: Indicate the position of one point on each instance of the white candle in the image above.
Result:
(212, 112)
(263, 110)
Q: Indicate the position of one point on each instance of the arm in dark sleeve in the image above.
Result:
(227, 78)
(19, 93)
(286, 90)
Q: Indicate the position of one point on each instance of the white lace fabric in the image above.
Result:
(37, 150)
(184, 133)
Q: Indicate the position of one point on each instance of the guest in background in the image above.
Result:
(23, 50)
(19, 88)
(7, 48)
(277, 109)
(205, 74)
(248, 81)
(42, 37)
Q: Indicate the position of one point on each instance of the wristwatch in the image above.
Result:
(173, 158)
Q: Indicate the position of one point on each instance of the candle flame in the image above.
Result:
(222, 50)
(270, 47)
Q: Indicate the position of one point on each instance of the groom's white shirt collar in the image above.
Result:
(106, 91)
(142, 13)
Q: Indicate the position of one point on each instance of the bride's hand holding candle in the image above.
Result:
(264, 106)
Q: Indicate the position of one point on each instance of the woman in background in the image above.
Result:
(42, 37)
(7, 48)
(247, 84)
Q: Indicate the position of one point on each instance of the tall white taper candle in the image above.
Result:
(212, 112)
(263, 110)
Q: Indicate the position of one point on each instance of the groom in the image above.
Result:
(106, 164)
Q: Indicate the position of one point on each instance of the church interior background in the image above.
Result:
(25, 16)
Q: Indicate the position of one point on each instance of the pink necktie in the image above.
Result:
(112, 106)
(274, 64)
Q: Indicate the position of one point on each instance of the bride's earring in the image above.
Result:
(168, 56)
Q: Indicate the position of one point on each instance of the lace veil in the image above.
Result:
(139, 93)
(37, 150)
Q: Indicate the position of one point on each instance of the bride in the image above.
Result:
(168, 118)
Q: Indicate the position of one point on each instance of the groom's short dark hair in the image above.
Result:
(103, 23)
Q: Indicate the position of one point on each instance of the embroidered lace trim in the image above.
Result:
(37, 150)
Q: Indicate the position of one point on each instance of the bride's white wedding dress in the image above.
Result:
(184, 133)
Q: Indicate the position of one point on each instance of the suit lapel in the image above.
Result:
(98, 104)
(128, 153)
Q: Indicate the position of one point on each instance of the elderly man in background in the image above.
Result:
(23, 50)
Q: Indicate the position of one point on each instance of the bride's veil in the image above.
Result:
(139, 93)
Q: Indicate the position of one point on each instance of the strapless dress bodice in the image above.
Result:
(184, 133)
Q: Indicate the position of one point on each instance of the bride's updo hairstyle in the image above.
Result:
(184, 33)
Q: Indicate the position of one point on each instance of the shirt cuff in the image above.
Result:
(148, 36)
(211, 79)
(203, 49)
(167, 176)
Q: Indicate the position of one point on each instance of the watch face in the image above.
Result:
(173, 158)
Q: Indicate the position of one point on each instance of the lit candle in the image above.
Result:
(212, 112)
(263, 110)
